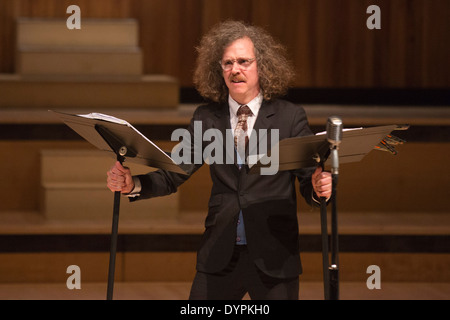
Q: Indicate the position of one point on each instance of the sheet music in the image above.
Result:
(145, 151)
(105, 117)
(343, 130)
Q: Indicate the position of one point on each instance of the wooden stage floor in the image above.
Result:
(180, 291)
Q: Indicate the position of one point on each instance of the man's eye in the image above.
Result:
(228, 63)
(243, 61)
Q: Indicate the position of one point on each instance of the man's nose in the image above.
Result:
(235, 69)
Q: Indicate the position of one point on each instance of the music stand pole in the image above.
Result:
(114, 232)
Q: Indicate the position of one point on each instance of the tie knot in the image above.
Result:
(244, 110)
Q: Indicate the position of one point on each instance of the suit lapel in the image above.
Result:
(266, 111)
(222, 123)
(263, 121)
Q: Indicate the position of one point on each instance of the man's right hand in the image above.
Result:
(120, 179)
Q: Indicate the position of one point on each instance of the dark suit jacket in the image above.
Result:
(268, 202)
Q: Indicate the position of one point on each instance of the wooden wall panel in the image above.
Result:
(169, 31)
(214, 11)
(436, 44)
(332, 47)
(89, 8)
(328, 40)
(8, 13)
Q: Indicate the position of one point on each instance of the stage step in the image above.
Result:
(110, 33)
(87, 92)
(176, 290)
(73, 186)
(98, 66)
(75, 61)
(36, 249)
(160, 265)
(100, 47)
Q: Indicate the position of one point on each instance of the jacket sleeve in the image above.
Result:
(300, 127)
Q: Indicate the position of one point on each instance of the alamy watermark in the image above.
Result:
(74, 280)
(74, 21)
(221, 150)
(374, 280)
(373, 21)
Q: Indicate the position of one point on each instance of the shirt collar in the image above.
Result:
(254, 105)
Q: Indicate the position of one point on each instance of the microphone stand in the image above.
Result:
(334, 268)
(324, 231)
(330, 273)
(325, 263)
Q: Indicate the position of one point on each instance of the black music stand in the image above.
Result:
(310, 151)
(118, 137)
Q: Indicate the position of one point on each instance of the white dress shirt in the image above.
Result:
(254, 105)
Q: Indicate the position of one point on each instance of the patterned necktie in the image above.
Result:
(241, 128)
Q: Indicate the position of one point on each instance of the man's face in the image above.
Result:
(241, 77)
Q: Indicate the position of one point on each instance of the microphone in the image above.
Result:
(334, 137)
(334, 131)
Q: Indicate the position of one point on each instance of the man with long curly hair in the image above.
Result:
(250, 243)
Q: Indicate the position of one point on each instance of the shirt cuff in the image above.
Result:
(314, 197)
(137, 188)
